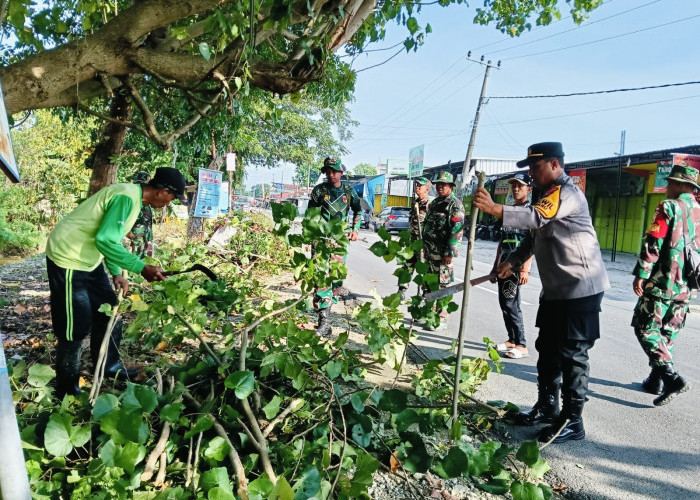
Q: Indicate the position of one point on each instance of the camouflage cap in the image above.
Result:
(333, 163)
(141, 177)
(445, 177)
(687, 175)
(421, 181)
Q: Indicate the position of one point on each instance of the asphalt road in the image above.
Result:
(632, 449)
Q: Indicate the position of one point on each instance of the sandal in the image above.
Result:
(516, 353)
(505, 346)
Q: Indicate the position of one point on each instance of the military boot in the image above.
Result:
(654, 383)
(570, 419)
(68, 368)
(324, 323)
(674, 384)
(113, 364)
(545, 411)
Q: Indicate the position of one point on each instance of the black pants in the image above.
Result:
(509, 300)
(76, 297)
(568, 329)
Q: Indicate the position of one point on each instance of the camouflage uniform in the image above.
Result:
(661, 310)
(415, 226)
(442, 232)
(335, 204)
(142, 241)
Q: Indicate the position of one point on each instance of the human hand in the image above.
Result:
(121, 284)
(153, 273)
(524, 277)
(353, 236)
(505, 270)
(483, 201)
(638, 286)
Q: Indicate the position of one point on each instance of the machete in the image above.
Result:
(196, 267)
(452, 289)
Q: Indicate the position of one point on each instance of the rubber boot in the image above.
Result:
(654, 383)
(546, 409)
(571, 416)
(68, 368)
(674, 384)
(324, 323)
(113, 366)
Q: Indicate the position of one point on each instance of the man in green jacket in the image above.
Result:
(335, 199)
(75, 251)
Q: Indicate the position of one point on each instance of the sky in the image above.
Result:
(430, 96)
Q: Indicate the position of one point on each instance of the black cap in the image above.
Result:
(522, 179)
(542, 150)
(169, 178)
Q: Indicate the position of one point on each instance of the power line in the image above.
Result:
(598, 110)
(603, 39)
(631, 89)
(574, 28)
(383, 62)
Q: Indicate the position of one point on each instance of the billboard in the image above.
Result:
(415, 161)
(396, 167)
(208, 193)
(7, 155)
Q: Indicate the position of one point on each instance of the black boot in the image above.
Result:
(573, 430)
(68, 368)
(674, 384)
(324, 323)
(545, 411)
(654, 383)
(113, 365)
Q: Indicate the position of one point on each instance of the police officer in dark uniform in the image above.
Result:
(573, 277)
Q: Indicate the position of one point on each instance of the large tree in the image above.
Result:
(159, 66)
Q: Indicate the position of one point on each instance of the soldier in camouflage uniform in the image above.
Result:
(141, 235)
(335, 198)
(442, 233)
(661, 286)
(415, 223)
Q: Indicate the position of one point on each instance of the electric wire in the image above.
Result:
(381, 63)
(603, 39)
(597, 92)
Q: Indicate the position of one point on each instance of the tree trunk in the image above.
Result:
(104, 172)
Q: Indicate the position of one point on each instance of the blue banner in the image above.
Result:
(208, 193)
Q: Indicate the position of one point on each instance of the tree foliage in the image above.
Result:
(365, 169)
(179, 62)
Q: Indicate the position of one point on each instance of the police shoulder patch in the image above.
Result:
(549, 205)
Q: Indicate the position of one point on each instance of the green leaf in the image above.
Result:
(282, 490)
(455, 462)
(203, 423)
(393, 400)
(60, 437)
(217, 449)
(40, 375)
(539, 468)
(171, 412)
(412, 25)
(218, 493)
(362, 431)
(378, 248)
(357, 402)
(413, 454)
(495, 486)
(104, 404)
(243, 383)
(139, 398)
(217, 476)
(528, 491)
(204, 50)
(456, 430)
(261, 486)
(365, 466)
(309, 484)
(126, 457)
(384, 234)
(405, 419)
(334, 368)
(528, 453)
(281, 211)
(479, 463)
(392, 301)
(272, 408)
(106, 308)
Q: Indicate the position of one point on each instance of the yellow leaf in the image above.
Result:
(171, 310)
(135, 297)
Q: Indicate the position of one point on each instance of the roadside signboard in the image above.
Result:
(396, 167)
(7, 155)
(208, 193)
(224, 198)
(663, 168)
(415, 161)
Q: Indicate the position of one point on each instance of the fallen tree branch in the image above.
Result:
(200, 338)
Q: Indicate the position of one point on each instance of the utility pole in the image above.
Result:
(475, 124)
(613, 253)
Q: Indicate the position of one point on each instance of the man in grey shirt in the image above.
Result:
(562, 238)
